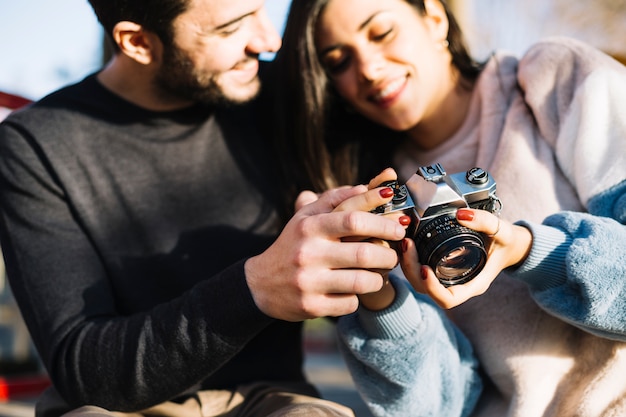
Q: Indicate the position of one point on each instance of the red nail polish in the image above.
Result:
(405, 246)
(405, 220)
(424, 271)
(386, 192)
(462, 214)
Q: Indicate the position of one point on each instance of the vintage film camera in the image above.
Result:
(431, 198)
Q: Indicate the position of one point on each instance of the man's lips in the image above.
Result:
(247, 70)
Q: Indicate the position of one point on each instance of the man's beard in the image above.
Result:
(177, 78)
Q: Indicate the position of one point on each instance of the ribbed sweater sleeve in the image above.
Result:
(393, 352)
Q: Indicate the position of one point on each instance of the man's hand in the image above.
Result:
(384, 297)
(321, 261)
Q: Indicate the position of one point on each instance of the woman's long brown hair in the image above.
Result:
(320, 141)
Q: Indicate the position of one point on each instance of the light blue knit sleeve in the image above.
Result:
(409, 360)
(576, 268)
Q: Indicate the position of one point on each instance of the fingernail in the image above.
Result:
(405, 246)
(386, 192)
(405, 220)
(463, 214)
(424, 271)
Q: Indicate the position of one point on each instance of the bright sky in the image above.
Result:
(45, 44)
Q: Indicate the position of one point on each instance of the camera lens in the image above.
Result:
(456, 254)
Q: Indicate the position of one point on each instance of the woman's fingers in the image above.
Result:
(386, 175)
(424, 280)
(509, 243)
(479, 220)
(368, 200)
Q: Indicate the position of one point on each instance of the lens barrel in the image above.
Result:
(455, 253)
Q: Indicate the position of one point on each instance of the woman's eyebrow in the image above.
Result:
(361, 27)
(369, 19)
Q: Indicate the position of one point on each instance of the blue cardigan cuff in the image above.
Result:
(399, 319)
(545, 265)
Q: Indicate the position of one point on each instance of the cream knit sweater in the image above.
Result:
(551, 129)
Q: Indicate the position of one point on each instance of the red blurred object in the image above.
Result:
(12, 101)
(17, 387)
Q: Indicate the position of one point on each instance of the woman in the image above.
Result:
(371, 83)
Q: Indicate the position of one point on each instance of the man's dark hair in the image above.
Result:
(154, 15)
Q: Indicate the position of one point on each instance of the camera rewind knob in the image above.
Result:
(477, 176)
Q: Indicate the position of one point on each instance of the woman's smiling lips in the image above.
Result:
(387, 95)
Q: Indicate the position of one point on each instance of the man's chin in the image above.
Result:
(240, 94)
(225, 94)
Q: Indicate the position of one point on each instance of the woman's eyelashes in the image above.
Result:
(337, 66)
(337, 60)
(383, 36)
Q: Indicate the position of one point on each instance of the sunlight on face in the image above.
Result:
(384, 58)
(215, 54)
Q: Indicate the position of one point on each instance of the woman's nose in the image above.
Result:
(370, 65)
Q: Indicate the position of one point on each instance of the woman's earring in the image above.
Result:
(445, 43)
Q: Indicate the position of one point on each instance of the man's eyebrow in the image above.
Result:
(231, 22)
(361, 27)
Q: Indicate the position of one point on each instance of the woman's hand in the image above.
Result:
(509, 246)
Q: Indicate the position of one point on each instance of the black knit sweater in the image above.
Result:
(124, 233)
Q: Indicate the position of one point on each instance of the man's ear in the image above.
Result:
(136, 42)
(437, 19)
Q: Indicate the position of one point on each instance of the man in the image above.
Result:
(140, 233)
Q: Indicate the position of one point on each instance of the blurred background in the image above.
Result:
(516, 24)
(47, 44)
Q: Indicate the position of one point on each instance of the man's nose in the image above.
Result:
(266, 37)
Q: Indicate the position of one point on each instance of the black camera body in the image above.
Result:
(431, 198)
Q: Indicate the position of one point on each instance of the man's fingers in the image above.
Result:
(351, 281)
(369, 225)
(352, 256)
(305, 198)
(329, 200)
(333, 198)
(338, 225)
(335, 305)
(334, 292)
